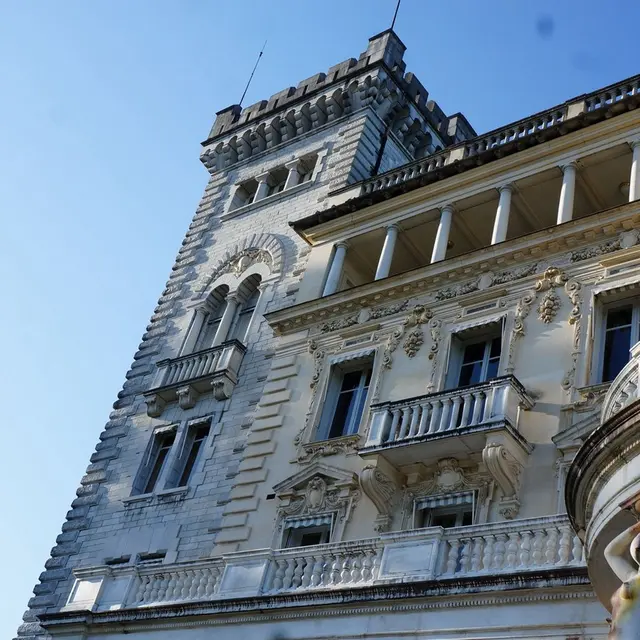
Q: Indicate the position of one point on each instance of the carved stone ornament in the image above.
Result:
(384, 491)
(342, 323)
(187, 397)
(419, 316)
(222, 388)
(550, 303)
(155, 405)
(505, 470)
(573, 291)
(318, 490)
(595, 251)
(591, 398)
(446, 477)
(435, 326)
(326, 448)
(382, 312)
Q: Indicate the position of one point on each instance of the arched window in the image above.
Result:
(249, 294)
(215, 308)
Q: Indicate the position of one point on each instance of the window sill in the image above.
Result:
(141, 497)
(268, 200)
(179, 493)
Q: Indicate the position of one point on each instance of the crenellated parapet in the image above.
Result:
(377, 80)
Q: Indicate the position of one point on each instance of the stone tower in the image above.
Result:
(180, 463)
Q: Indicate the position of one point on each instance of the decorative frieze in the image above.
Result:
(419, 316)
(325, 448)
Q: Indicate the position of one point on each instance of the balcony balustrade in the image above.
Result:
(186, 377)
(417, 429)
(516, 547)
(624, 389)
(515, 132)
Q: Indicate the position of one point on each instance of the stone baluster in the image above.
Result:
(415, 416)
(308, 569)
(287, 579)
(477, 407)
(201, 589)
(538, 546)
(345, 574)
(316, 572)
(445, 415)
(356, 573)
(278, 578)
(143, 584)
(499, 551)
(525, 549)
(488, 404)
(164, 585)
(455, 412)
(376, 564)
(551, 548)
(487, 558)
(452, 556)
(435, 416)
(476, 555)
(336, 568)
(174, 586)
(367, 566)
(404, 423)
(395, 422)
(152, 596)
(564, 547)
(511, 559)
(296, 580)
(424, 418)
(465, 555)
(467, 400)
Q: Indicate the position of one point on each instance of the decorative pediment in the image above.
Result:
(331, 475)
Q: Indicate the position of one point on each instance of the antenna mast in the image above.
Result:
(395, 15)
(255, 66)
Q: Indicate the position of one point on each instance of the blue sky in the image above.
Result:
(103, 105)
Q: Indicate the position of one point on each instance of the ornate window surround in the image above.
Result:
(317, 491)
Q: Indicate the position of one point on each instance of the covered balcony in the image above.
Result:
(186, 377)
(603, 482)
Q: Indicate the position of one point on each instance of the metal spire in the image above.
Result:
(395, 15)
(244, 93)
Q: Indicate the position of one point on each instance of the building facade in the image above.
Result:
(357, 405)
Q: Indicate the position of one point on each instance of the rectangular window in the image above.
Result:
(195, 445)
(162, 443)
(445, 517)
(345, 401)
(185, 462)
(621, 332)
(480, 361)
(307, 536)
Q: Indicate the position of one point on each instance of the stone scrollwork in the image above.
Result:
(383, 492)
(382, 312)
(318, 490)
(550, 303)
(435, 327)
(505, 470)
(419, 315)
(573, 291)
(326, 448)
(342, 323)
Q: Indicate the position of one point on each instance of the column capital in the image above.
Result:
(506, 187)
(342, 244)
(447, 207)
(568, 166)
(263, 177)
(292, 164)
(393, 225)
(634, 144)
(233, 297)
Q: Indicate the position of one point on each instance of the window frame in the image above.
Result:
(602, 312)
(427, 514)
(141, 485)
(292, 536)
(332, 396)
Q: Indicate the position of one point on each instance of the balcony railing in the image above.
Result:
(186, 377)
(448, 413)
(624, 389)
(514, 547)
(516, 131)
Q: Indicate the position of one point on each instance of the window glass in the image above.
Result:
(617, 343)
(350, 404)
(446, 517)
(163, 445)
(480, 361)
(197, 442)
(307, 536)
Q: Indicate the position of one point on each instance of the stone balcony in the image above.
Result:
(481, 418)
(187, 377)
(533, 546)
(603, 482)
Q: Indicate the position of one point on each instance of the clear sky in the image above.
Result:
(103, 104)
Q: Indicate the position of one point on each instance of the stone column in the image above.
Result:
(199, 317)
(293, 177)
(263, 186)
(384, 264)
(567, 193)
(333, 279)
(442, 236)
(501, 222)
(231, 304)
(634, 180)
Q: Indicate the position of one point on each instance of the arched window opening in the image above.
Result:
(249, 294)
(215, 308)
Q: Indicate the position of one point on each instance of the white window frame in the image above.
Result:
(457, 355)
(332, 395)
(457, 510)
(602, 311)
(293, 536)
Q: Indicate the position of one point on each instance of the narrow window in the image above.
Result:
(244, 195)
(621, 332)
(250, 295)
(307, 536)
(161, 447)
(345, 401)
(480, 361)
(195, 446)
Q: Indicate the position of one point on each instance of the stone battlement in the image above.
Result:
(384, 55)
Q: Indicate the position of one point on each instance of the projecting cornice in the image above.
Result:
(586, 238)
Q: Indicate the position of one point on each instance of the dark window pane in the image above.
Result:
(470, 374)
(619, 317)
(445, 520)
(496, 345)
(616, 352)
(351, 380)
(473, 352)
(308, 539)
(492, 368)
(467, 518)
(190, 463)
(163, 450)
(341, 413)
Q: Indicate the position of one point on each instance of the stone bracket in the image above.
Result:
(382, 485)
